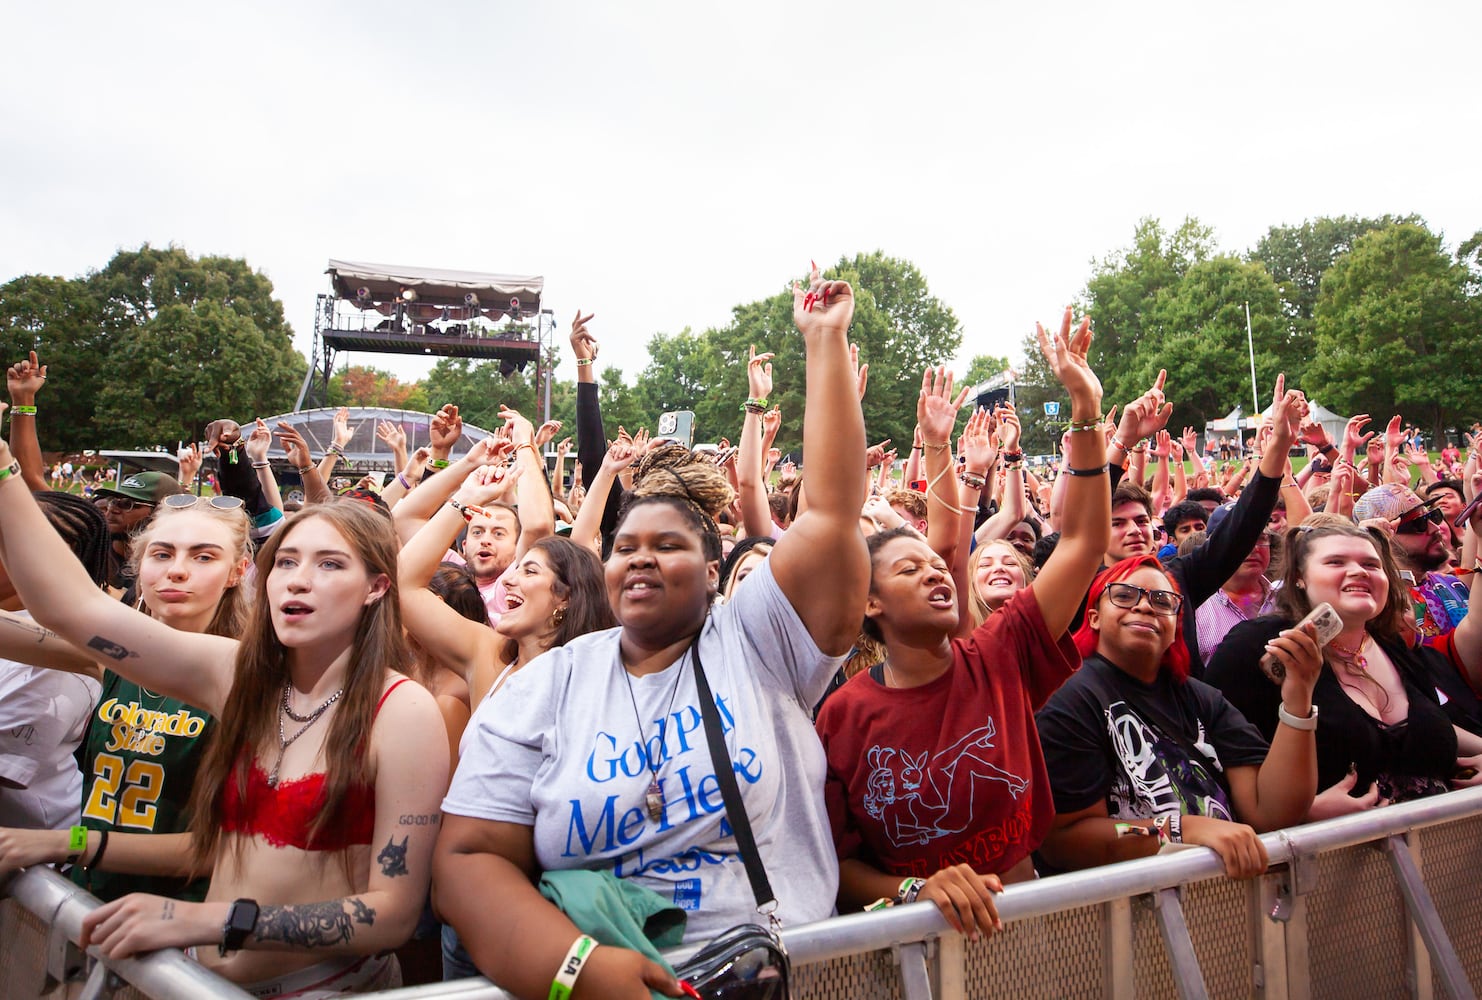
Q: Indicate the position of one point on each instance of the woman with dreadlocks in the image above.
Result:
(599, 759)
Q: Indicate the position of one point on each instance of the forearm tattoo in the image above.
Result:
(30, 628)
(313, 925)
(110, 649)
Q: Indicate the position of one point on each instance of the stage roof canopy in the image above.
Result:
(432, 285)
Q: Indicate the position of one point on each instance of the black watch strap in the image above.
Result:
(241, 920)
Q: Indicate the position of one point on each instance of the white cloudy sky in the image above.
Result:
(660, 162)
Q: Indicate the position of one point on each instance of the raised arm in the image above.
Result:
(411, 768)
(25, 379)
(532, 490)
(936, 414)
(976, 446)
(834, 426)
(257, 452)
(297, 449)
(751, 492)
(587, 529)
(1085, 525)
(56, 589)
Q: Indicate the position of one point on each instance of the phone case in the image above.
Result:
(1329, 627)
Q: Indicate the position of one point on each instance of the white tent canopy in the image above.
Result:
(1236, 421)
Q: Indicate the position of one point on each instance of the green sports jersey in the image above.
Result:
(139, 763)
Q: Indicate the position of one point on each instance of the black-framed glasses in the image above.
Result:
(1129, 596)
(184, 501)
(1419, 520)
(123, 504)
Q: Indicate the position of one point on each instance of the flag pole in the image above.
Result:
(1250, 342)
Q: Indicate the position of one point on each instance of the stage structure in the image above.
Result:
(385, 309)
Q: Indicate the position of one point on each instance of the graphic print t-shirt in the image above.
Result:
(560, 750)
(139, 764)
(1104, 738)
(949, 772)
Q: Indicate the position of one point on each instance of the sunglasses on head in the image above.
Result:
(184, 501)
(1129, 596)
(1419, 520)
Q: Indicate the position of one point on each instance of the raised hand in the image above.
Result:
(445, 430)
(1008, 427)
(976, 444)
(257, 446)
(1314, 433)
(874, 455)
(824, 307)
(1394, 434)
(563, 447)
(190, 461)
(771, 423)
(861, 372)
(1354, 437)
(294, 445)
(936, 409)
(392, 434)
(1162, 446)
(583, 344)
(341, 431)
(1190, 440)
(25, 379)
(222, 433)
(759, 373)
(1288, 407)
(1146, 415)
(546, 431)
(488, 483)
(621, 454)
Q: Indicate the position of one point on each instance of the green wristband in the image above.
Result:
(76, 843)
(439, 463)
(25, 410)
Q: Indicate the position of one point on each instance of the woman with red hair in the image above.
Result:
(1140, 754)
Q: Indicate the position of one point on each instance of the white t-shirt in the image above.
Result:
(559, 750)
(43, 718)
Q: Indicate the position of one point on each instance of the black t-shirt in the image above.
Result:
(1408, 759)
(1145, 749)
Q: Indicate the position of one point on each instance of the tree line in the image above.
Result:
(1367, 315)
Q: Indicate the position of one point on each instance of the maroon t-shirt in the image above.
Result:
(951, 771)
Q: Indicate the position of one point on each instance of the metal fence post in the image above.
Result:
(1118, 968)
(1181, 957)
(1428, 940)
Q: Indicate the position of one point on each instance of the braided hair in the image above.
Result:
(84, 529)
(699, 490)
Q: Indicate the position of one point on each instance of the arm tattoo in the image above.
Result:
(168, 910)
(110, 649)
(313, 925)
(421, 819)
(393, 857)
(40, 633)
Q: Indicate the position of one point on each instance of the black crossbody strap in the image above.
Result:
(725, 773)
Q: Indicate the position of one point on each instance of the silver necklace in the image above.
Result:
(653, 796)
(285, 741)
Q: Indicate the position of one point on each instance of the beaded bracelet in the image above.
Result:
(972, 480)
(583, 362)
(1084, 425)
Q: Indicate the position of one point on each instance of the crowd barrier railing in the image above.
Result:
(1381, 903)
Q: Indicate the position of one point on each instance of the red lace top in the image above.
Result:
(282, 816)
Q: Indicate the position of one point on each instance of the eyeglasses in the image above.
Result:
(1419, 520)
(1126, 595)
(122, 504)
(184, 501)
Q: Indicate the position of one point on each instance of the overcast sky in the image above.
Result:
(659, 163)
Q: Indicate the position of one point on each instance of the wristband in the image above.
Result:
(1170, 828)
(1084, 425)
(752, 407)
(1012, 456)
(336, 450)
(935, 447)
(757, 401)
(576, 957)
(1099, 470)
(971, 480)
(401, 478)
(13, 469)
(439, 463)
(97, 858)
(262, 465)
(306, 469)
(76, 844)
(909, 889)
(583, 362)
(25, 410)
(1133, 830)
(1306, 725)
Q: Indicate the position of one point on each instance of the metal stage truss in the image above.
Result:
(385, 309)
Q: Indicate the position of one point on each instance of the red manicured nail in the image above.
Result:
(812, 267)
(825, 295)
(689, 990)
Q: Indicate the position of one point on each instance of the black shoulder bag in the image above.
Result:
(747, 962)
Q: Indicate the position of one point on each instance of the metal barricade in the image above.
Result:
(1383, 903)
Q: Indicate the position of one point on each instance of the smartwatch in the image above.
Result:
(240, 922)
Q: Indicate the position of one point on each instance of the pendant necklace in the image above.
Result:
(285, 741)
(653, 797)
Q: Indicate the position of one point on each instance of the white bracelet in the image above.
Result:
(1307, 725)
(576, 957)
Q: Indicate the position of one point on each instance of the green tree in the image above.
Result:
(1396, 331)
(477, 388)
(1124, 289)
(1298, 256)
(1036, 386)
(60, 319)
(359, 385)
(1198, 335)
(982, 367)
